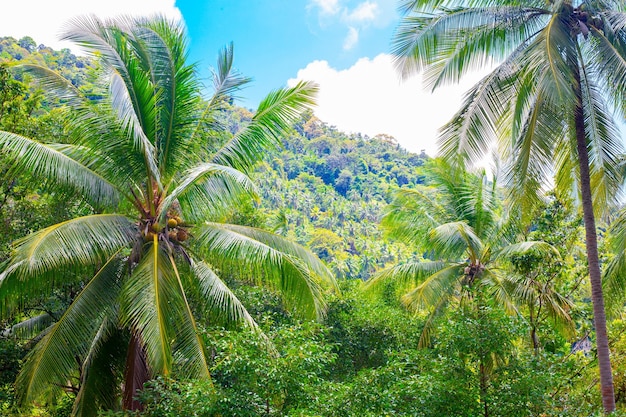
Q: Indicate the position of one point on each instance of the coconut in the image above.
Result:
(171, 222)
(182, 235)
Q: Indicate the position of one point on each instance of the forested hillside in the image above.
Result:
(448, 305)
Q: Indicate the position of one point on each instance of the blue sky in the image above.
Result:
(275, 38)
(343, 45)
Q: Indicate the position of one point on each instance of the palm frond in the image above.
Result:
(604, 145)
(608, 55)
(163, 44)
(54, 84)
(536, 129)
(435, 288)
(614, 283)
(455, 240)
(54, 359)
(471, 132)
(412, 214)
(218, 299)
(188, 341)
(208, 187)
(500, 289)
(58, 253)
(272, 118)
(614, 274)
(87, 240)
(551, 56)
(405, 276)
(453, 41)
(101, 371)
(429, 325)
(44, 162)
(270, 260)
(133, 96)
(132, 125)
(29, 328)
(226, 82)
(150, 306)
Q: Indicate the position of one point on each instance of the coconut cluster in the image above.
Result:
(174, 230)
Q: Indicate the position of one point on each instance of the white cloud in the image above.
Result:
(369, 98)
(365, 12)
(43, 20)
(356, 18)
(327, 6)
(352, 38)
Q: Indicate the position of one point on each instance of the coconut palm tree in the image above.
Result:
(159, 172)
(468, 239)
(558, 69)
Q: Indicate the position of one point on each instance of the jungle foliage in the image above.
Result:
(329, 191)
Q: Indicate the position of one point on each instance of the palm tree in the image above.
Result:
(468, 240)
(142, 157)
(459, 225)
(559, 68)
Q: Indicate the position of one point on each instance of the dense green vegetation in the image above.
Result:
(450, 301)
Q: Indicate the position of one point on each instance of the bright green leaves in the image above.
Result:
(270, 121)
(86, 324)
(47, 163)
(155, 308)
(271, 260)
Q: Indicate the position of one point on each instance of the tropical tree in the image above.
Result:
(159, 173)
(468, 241)
(558, 69)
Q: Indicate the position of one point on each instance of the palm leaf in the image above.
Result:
(405, 276)
(454, 240)
(440, 285)
(218, 299)
(84, 240)
(531, 153)
(29, 328)
(150, 302)
(58, 252)
(614, 274)
(44, 162)
(269, 259)
(54, 359)
(188, 341)
(132, 94)
(604, 144)
(226, 82)
(53, 83)
(500, 289)
(208, 187)
(460, 39)
(412, 214)
(101, 371)
(608, 54)
(163, 44)
(272, 118)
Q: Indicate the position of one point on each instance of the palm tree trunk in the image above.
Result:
(484, 378)
(591, 241)
(533, 328)
(135, 375)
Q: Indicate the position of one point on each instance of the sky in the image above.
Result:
(343, 45)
